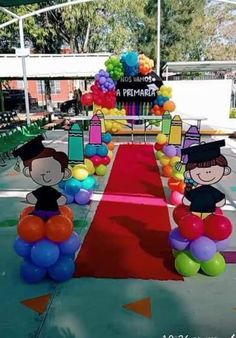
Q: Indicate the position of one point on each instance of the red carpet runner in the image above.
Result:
(128, 237)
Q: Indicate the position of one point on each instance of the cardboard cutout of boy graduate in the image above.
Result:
(46, 167)
(205, 167)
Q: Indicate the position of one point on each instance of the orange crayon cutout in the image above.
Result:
(142, 307)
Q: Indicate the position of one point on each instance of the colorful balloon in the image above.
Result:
(177, 241)
(70, 246)
(218, 227)
(191, 226)
(44, 253)
(186, 265)
(62, 270)
(31, 228)
(32, 273)
(179, 212)
(59, 228)
(215, 266)
(203, 248)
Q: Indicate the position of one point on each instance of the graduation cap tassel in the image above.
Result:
(17, 165)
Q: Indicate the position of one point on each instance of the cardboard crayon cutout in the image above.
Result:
(46, 167)
(205, 167)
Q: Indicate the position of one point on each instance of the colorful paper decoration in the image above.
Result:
(75, 145)
(95, 131)
(166, 123)
(175, 137)
(192, 137)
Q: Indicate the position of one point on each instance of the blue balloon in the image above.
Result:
(72, 186)
(32, 273)
(102, 150)
(61, 185)
(70, 246)
(106, 138)
(45, 253)
(69, 198)
(63, 269)
(90, 150)
(88, 183)
(22, 248)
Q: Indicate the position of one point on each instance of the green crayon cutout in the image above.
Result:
(75, 145)
(166, 123)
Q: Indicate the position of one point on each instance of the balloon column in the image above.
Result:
(169, 156)
(80, 186)
(163, 103)
(99, 149)
(197, 242)
(48, 248)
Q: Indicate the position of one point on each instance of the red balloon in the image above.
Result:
(218, 227)
(173, 184)
(191, 226)
(97, 160)
(105, 160)
(158, 146)
(87, 99)
(179, 212)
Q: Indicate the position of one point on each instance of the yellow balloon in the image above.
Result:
(164, 160)
(110, 154)
(80, 172)
(174, 160)
(161, 138)
(90, 166)
(178, 176)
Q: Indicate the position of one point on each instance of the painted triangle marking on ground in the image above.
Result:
(143, 307)
(37, 304)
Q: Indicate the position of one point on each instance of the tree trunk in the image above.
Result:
(85, 47)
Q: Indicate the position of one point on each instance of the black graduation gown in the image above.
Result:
(204, 198)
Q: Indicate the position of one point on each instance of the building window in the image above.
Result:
(54, 84)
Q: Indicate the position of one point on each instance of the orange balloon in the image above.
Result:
(59, 228)
(173, 184)
(111, 146)
(67, 211)
(169, 106)
(31, 228)
(26, 211)
(181, 187)
(167, 171)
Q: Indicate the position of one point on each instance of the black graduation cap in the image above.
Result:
(31, 149)
(203, 152)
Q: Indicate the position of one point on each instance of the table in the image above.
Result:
(144, 118)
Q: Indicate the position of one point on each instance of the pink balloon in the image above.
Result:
(176, 198)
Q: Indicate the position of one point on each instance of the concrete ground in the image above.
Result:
(200, 306)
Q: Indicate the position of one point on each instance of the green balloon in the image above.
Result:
(186, 265)
(109, 67)
(176, 253)
(215, 266)
(159, 154)
(101, 170)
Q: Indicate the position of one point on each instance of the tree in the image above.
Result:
(178, 37)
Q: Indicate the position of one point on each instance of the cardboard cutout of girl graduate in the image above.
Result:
(46, 167)
(205, 167)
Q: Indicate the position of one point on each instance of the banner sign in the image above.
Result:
(140, 88)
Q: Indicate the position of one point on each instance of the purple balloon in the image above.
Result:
(102, 80)
(178, 242)
(169, 151)
(83, 197)
(203, 248)
(70, 246)
(222, 245)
